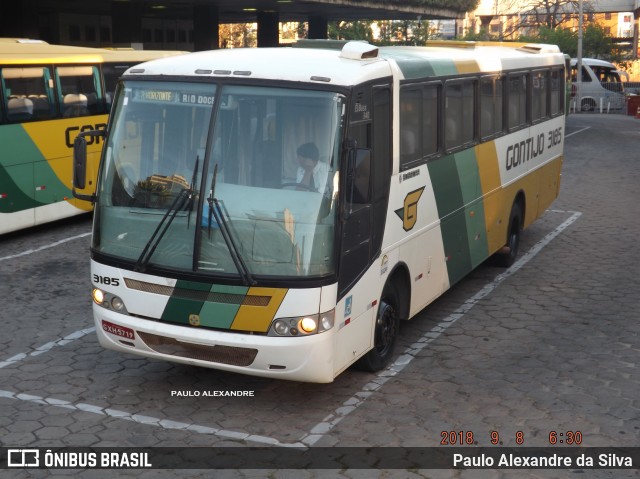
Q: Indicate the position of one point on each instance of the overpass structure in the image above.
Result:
(512, 7)
(193, 24)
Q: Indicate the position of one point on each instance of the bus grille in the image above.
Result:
(231, 355)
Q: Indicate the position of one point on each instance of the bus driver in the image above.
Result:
(312, 173)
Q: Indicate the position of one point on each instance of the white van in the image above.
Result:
(601, 85)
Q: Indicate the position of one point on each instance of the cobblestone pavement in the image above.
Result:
(551, 344)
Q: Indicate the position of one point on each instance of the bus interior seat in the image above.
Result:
(20, 108)
(41, 105)
(75, 104)
(92, 102)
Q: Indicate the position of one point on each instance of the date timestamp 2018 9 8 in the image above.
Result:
(468, 438)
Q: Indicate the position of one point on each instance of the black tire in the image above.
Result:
(513, 238)
(588, 104)
(386, 333)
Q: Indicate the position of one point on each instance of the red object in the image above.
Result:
(633, 105)
(117, 330)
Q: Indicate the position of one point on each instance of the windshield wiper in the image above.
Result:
(215, 210)
(185, 195)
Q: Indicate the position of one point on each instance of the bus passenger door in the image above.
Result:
(356, 233)
(365, 197)
(368, 175)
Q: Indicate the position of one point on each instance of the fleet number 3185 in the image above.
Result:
(106, 280)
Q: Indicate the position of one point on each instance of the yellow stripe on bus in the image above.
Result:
(494, 204)
(258, 318)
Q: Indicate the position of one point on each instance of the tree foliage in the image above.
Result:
(552, 13)
(237, 35)
(595, 44)
(354, 30)
(383, 32)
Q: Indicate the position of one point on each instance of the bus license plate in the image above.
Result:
(118, 330)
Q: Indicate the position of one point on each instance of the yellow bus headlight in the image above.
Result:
(98, 296)
(308, 325)
(303, 325)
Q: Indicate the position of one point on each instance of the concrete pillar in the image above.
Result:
(268, 29)
(206, 22)
(126, 23)
(485, 20)
(318, 27)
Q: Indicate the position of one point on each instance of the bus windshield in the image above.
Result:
(251, 195)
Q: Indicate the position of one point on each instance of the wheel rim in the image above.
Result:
(588, 105)
(385, 329)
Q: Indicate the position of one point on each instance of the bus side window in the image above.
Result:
(459, 114)
(419, 125)
(539, 95)
(410, 124)
(79, 91)
(491, 106)
(557, 88)
(111, 73)
(516, 100)
(27, 93)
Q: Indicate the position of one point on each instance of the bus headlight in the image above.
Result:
(281, 327)
(117, 304)
(308, 325)
(303, 325)
(108, 301)
(98, 296)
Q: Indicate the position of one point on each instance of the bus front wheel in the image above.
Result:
(386, 331)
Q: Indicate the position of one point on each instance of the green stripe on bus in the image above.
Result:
(456, 185)
(211, 313)
(468, 175)
(444, 67)
(28, 180)
(456, 246)
(471, 189)
(179, 306)
(413, 66)
(23, 149)
(16, 170)
(15, 182)
(449, 201)
(477, 233)
(221, 315)
(446, 185)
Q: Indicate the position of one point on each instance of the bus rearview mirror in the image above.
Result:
(80, 163)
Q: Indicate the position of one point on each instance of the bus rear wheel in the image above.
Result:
(386, 333)
(507, 257)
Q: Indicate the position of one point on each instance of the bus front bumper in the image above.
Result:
(307, 358)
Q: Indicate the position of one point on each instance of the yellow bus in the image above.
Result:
(280, 222)
(48, 94)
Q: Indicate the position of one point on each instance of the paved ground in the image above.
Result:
(549, 345)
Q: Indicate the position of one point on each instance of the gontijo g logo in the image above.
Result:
(409, 213)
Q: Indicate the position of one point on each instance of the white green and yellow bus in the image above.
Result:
(277, 212)
(48, 94)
